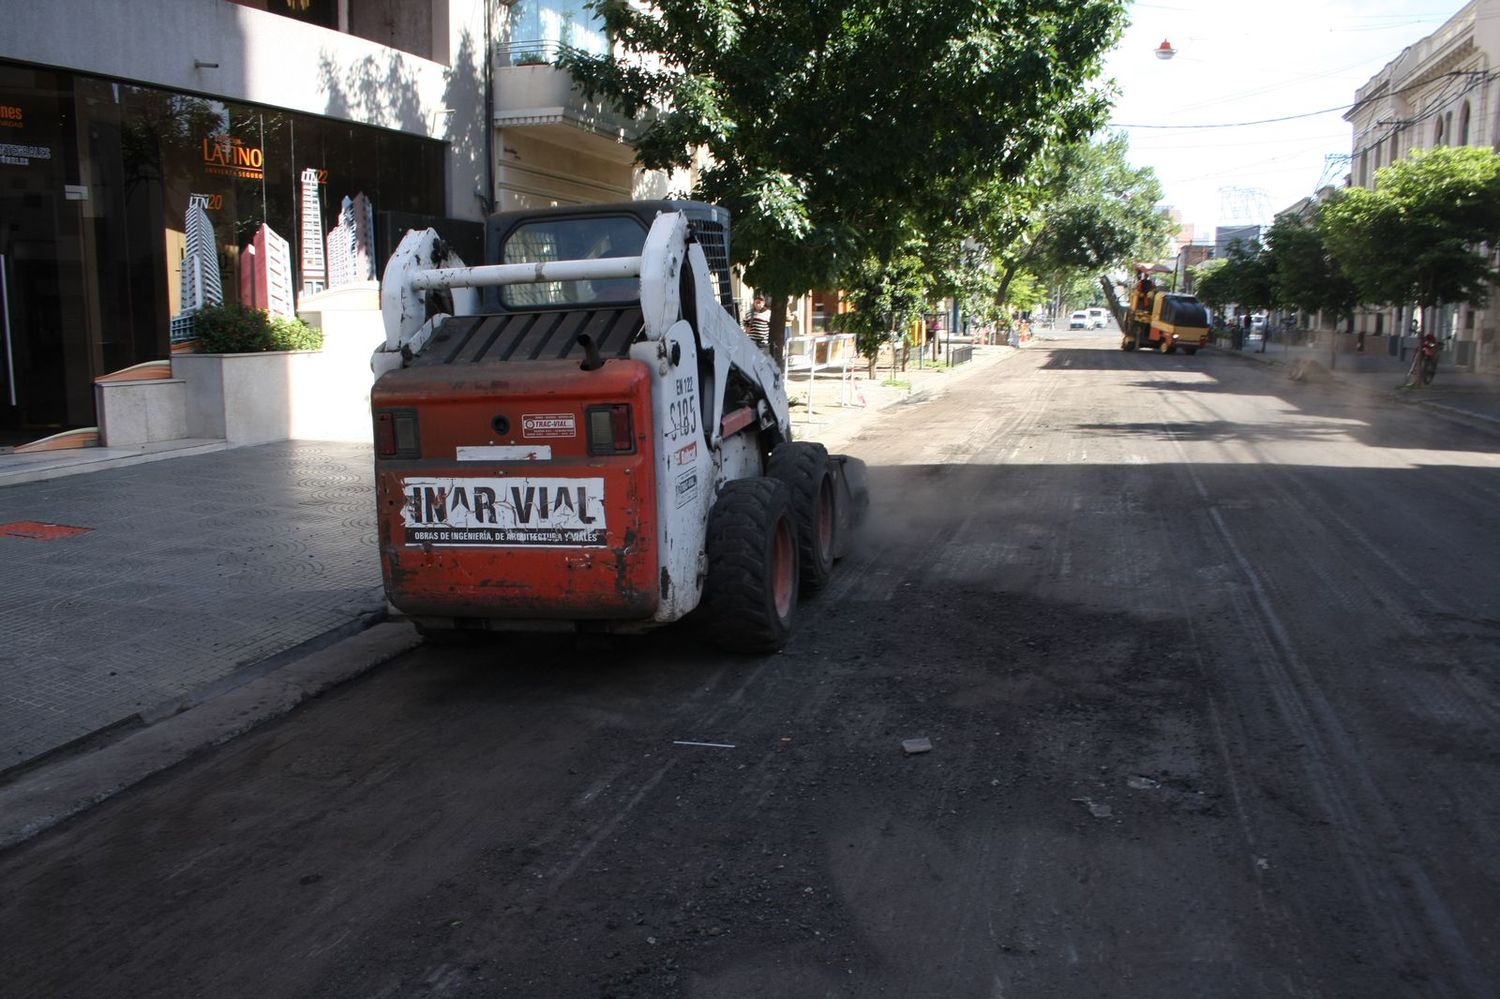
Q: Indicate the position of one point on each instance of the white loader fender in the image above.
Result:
(388, 360)
(662, 260)
(404, 309)
(684, 470)
(385, 360)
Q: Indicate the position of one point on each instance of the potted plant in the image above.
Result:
(239, 379)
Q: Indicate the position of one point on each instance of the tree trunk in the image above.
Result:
(1013, 269)
(778, 329)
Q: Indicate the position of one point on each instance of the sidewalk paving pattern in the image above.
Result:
(188, 573)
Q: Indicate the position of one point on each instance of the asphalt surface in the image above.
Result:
(1207, 660)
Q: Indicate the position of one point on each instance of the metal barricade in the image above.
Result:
(823, 356)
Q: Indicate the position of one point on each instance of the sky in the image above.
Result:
(1244, 61)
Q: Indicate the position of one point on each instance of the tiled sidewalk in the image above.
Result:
(187, 573)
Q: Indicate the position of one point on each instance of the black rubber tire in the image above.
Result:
(750, 594)
(1190, 351)
(808, 474)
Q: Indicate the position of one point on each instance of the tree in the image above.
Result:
(833, 129)
(1212, 285)
(885, 294)
(1083, 207)
(1250, 271)
(1241, 277)
(1419, 234)
(1304, 272)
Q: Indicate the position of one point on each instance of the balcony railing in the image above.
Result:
(531, 92)
(532, 52)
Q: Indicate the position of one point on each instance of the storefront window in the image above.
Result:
(45, 358)
(98, 180)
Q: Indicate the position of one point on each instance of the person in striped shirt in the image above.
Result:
(758, 323)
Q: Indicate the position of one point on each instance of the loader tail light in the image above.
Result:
(396, 434)
(611, 430)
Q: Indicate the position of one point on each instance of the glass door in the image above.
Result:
(47, 382)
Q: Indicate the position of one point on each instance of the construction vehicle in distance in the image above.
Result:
(579, 436)
(1157, 318)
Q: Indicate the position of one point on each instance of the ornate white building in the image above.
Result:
(1443, 90)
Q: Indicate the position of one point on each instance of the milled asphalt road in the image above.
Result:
(1209, 665)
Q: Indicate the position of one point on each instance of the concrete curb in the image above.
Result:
(20, 469)
(38, 800)
(1454, 414)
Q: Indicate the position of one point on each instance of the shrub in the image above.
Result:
(238, 329)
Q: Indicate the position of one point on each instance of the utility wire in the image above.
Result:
(1313, 114)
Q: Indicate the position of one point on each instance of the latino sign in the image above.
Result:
(225, 156)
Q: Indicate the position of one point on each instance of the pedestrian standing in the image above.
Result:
(758, 323)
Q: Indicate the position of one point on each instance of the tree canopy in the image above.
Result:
(1303, 270)
(1082, 207)
(1212, 285)
(1418, 235)
(1244, 276)
(834, 129)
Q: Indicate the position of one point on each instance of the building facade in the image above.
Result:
(1190, 255)
(1227, 235)
(1443, 90)
(267, 116)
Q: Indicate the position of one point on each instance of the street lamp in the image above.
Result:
(1165, 50)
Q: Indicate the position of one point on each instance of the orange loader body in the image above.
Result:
(437, 509)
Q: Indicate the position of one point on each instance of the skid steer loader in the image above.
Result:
(579, 436)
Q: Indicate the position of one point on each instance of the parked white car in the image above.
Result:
(1079, 321)
(1097, 319)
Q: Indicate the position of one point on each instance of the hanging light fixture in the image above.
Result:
(1165, 50)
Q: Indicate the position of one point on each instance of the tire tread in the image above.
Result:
(737, 602)
(804, 466)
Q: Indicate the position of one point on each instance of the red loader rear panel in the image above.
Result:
(521, 491)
